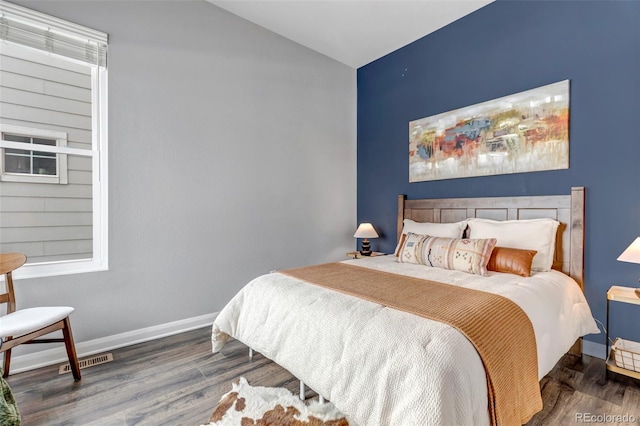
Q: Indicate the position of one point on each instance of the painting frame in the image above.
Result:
(520, 133)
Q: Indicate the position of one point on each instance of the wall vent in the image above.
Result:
(87, 362)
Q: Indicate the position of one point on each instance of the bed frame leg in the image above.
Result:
(250, 354)
(302, 397)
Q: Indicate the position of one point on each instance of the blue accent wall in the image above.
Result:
(501, 49)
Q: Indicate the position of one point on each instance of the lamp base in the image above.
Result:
(365, 248)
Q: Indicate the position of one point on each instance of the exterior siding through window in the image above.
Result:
(47, 221)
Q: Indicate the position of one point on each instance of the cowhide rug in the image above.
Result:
(246, 405)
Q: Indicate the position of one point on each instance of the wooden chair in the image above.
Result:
(25, 325)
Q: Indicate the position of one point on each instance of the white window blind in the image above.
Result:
(29, 28)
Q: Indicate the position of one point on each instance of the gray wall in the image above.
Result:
(232, 152)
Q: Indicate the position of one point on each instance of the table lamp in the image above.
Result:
(632, 254)
(366, 231)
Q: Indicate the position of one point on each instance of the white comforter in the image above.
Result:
(381, 366)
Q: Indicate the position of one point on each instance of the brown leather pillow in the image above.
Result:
(511, 261)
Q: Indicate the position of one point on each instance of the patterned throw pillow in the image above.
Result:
(449, 253)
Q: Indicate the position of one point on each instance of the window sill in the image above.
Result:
(25, 178)
(38, 270)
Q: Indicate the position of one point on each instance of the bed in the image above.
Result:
(382, 366)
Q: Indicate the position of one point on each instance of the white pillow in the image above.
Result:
(531, 234)
(442, 230)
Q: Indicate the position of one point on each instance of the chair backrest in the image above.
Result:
(9, 262)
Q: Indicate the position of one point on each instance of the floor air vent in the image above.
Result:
(87, 362)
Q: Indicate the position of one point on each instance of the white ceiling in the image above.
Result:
(354, 32)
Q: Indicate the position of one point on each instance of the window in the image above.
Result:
(19, 165)
(53, 144)
(19, 161)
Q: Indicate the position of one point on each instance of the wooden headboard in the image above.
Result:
(566, 209)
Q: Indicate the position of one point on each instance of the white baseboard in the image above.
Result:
(593, 349)
(59, 355)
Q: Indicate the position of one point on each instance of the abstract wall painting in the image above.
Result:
(523, 132)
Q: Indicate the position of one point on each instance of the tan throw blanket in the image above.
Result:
(500, 331)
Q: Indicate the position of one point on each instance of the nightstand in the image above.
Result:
(622, 295)
(357, 255)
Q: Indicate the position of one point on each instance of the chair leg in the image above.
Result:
(71, 349)
(7, 363)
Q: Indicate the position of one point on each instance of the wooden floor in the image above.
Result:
(177, 381)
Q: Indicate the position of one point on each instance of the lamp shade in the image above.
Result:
(632, 253)
(365, 230)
